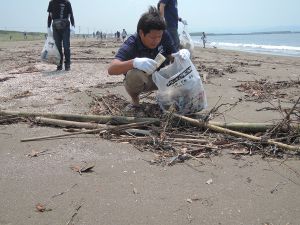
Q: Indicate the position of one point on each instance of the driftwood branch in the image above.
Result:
(235, 133)
(115, 120)
(121, 127)
(244, 127)
(73, 124)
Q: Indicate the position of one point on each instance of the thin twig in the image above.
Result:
(74, 214)
(285, 119)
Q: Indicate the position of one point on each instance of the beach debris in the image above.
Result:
(92, 131)
(135, 191)
(71, 130)
(23, 94)
(275, 189)
(235, 133)
(174, 138)
(35, 153)
(41, 208)
(74, 215)
(66, 123)
(230, 69)
(83, 168)
(210, 181)
(241, 151)
(211, 70)
(189, 200)
(10, 119)
(264, 90)
(5, 78)
(61, 193)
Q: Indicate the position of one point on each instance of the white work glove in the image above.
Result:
(49, 31)
(183, 54)
(145, 64)
(72, 30)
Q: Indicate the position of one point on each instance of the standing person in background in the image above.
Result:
(60, 11)
(203, 39)
(124, 34)
(169, 11)
(118, 35)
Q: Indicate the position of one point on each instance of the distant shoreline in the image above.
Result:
(249, 33)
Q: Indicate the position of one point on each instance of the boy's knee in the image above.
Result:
(137, 81)
(134, 82)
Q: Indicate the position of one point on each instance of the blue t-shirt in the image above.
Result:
(171, 13)
(133, 47)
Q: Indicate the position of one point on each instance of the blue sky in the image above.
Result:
(108, 16)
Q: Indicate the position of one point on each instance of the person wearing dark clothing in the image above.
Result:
(135, 58)
(118, 35)
(60, 15)
(169, 11)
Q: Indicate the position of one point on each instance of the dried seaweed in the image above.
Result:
(264, 90)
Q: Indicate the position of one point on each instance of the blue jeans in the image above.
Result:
(62, 38)
(174, 34)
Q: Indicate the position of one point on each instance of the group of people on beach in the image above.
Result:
(157, 32)
(99, 35)
(118, 35)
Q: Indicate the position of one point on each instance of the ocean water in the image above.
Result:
(287, 44)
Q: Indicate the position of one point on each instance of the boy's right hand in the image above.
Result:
(145, 64)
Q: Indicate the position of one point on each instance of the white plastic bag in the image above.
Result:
(50, 53)
(180, 85)
(186, 40)
(72, 31)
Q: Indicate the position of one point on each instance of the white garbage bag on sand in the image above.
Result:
(186, 41)
(50, 53)
(180, 85)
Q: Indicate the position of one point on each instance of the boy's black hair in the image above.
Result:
(151, 20)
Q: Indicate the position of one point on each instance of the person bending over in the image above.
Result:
(135, 58)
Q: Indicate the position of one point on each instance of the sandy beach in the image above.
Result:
(124, 188)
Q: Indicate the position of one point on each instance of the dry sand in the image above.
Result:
(124, 188)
